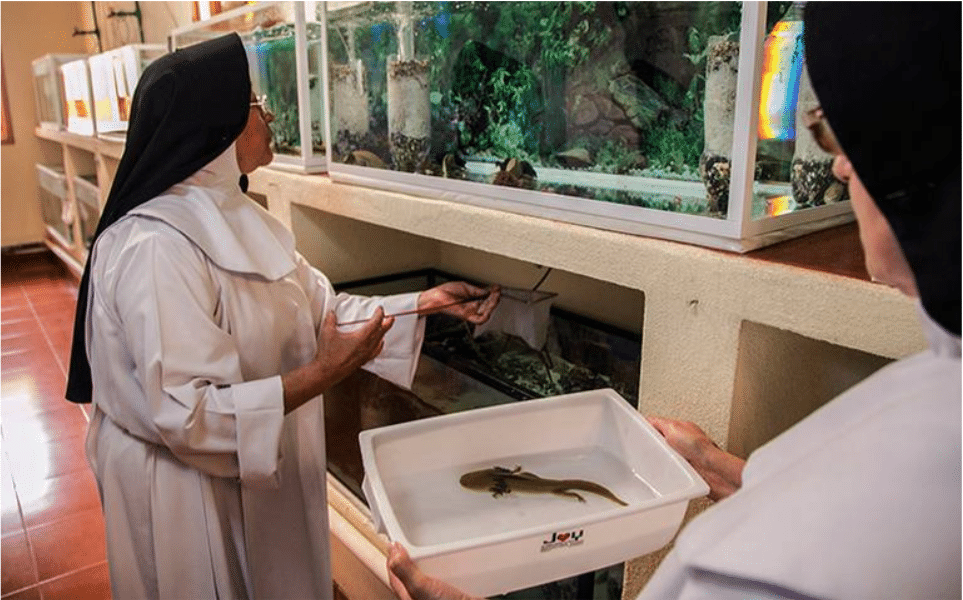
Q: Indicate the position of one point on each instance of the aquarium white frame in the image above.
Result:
(738, 231)
(51, 63)
(746, 123)
(308, 161)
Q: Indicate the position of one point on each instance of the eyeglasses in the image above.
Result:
(815, 121)
(261, 103)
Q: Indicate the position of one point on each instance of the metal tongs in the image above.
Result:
(425, 311)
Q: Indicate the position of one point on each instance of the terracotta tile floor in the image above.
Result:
(53, 540)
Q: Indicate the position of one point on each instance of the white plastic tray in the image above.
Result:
(486, 545)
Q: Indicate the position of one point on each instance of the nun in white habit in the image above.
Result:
(204, 341)
(861, 500)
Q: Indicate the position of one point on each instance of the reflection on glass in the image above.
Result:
(792, 173)
(85, 190)
(596, 100)
(781, 69)
(275, 74)
(53, 203)
(270, 35)
(48, 82)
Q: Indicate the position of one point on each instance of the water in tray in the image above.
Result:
(433, 508)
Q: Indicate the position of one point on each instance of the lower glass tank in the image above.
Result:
(458, 371)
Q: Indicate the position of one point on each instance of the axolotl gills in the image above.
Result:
(499, 481)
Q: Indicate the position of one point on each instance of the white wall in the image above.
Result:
(29, 30)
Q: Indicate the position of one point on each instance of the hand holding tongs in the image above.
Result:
(426, 311)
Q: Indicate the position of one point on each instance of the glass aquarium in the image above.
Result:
(48, 88)
(642, 117)
(462, 368)
(54, 207)
(113, 77)
(286, 56)
(78, 97)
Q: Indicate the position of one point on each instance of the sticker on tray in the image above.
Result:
(565, 539)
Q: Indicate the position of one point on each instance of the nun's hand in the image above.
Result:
(409, 583)
(449, 298)
(720, 469)
(342, 352)
(339, 354)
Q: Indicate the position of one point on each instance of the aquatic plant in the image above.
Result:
(677, 141)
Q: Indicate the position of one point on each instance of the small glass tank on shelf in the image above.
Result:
(284, 43)
(641, 117)
(54, 207)
(88, 206)
(48, 87)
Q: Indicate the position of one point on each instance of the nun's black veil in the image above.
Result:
(887, 75)
(188, 108)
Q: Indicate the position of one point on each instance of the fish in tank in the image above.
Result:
(630, 103)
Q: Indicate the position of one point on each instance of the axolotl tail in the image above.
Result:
(591, 487)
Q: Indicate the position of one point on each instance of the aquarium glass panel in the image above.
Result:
(600, 100)
(88, 211)
(48, 82)
(792, 172)
(269, 32)
(459, 370)
(53, 194)
(51, 207)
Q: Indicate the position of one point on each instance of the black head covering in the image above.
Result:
(188, 108)
(887, 75)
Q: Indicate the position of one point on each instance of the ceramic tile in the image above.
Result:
(60, 420)
(34, 462)
(11, 292)
(30, 593)
(60, 498)
(69, 544)
(47, 486)
(64, 357)
(18, 569)
(59, 320)
(16, 311)
(13, 338)
(21, 400)
(9, 505)
(92, 583)
(15, 361)
(36, 355)
(25, 395)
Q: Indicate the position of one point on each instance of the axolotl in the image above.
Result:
(499, 481)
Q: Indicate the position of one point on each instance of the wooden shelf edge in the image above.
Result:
(75, 266)
(105, 147)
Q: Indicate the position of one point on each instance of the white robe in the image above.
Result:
(859, 501)
(199, 302)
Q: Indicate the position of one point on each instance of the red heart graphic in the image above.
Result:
(563, 536)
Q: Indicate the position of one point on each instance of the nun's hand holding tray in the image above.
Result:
(489, 544)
